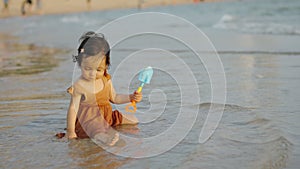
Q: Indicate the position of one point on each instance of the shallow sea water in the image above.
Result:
(258, 129)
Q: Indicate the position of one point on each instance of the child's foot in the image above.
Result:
(107, 139)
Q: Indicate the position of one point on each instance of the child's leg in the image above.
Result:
(129, 119)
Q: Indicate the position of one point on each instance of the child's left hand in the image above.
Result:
(137, 97)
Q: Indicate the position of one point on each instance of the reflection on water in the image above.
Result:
(87, 154)
(256, 79)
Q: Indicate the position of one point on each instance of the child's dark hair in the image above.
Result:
(92, 44)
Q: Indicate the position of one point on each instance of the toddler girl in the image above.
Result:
(90, 113)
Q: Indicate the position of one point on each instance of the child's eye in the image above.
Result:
(100, 69)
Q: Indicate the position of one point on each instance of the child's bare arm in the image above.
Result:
(72, 114)
(124, 98)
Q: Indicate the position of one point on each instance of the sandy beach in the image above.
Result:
(71, 6)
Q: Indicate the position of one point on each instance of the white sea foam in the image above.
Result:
(70, 19)
(229, 22)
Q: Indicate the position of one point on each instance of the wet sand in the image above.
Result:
(23, 59)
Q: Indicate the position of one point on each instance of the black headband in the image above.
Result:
(82, 44)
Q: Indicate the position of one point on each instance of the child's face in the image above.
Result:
(93, 68)
(101, 68)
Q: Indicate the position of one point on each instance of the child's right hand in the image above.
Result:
(71, 135)
(137, 97)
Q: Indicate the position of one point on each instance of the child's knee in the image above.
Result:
(135, 120)
(130, 119)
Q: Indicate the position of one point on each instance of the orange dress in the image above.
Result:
(95, 113)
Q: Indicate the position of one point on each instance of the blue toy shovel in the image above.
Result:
(144, 77)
